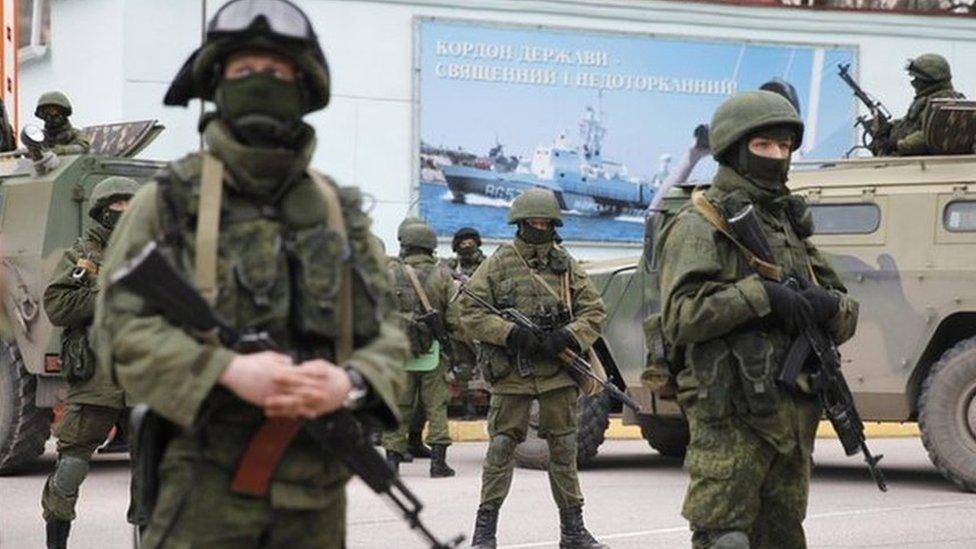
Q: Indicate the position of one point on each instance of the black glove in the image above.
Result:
(823, 303)
(523, 340)
(788, 306)
(555, 342)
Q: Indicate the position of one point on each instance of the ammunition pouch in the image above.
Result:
(420, 335)
(658, 374)
(757, 365)
(494, 361)
(712, 366)
(77, 359)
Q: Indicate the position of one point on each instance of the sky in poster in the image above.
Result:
(652, 92)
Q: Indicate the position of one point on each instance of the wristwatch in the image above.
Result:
(359, 391)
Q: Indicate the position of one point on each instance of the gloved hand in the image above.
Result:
(823, 303)
(523, 340)
(788, 306)
(555, 342)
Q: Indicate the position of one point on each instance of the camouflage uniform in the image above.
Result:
(426, 389)
(95, 402)
(932, 79)
(278, 268)
(528, 276)
(59, 136)
(751, 442)
(464, 359)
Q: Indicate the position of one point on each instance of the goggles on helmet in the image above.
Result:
(280, 16)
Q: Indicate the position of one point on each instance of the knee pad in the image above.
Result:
(562, 449)
(69, 474)
(730, 540)
(501, 449)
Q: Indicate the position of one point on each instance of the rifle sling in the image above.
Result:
(208, 227)
(418, 288)
(708, 211)
(268, 444)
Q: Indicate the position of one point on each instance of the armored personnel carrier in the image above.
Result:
(43, 200)
(902, 234)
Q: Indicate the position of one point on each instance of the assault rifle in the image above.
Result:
(151, 276)
(878, 124)
(577, 366)
(827, 378)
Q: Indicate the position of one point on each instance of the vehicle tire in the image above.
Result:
(24, 428)
(593, 418)
(947, 414)
(668, 435)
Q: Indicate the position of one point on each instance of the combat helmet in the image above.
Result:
(931, 67)
(465, 233)
(278, 26)
(535, 203)
(419, 235)
(745, 113)
(109, 190)
(55, 98)
(407, 221)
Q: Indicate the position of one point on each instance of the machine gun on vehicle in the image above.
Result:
(827, 378)
(150, 275)
(876, 126)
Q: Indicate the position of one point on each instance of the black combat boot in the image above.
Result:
(438, 462)
(394, 459)
(57, 533)
(572, 533)
(416, 446)
(485, 525)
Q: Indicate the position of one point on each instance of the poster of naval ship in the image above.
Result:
(602, 120)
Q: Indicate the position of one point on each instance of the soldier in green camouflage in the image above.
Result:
(291, 256)
(749, 457)
(538, 277)
(426, 384)
(95, 402)
(59, 135)
(931, 79)
(466, 245)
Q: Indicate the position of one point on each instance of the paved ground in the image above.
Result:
(633, 496)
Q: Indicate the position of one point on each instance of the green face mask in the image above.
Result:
(262, 111)
(532, 235)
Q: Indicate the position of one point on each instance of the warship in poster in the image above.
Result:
(585, 183)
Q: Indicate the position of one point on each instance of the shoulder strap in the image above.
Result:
(418, 287)
(336, 222)
(708, 211)
(208, 227)
(537, 277)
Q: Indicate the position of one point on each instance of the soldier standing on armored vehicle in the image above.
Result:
(60, 137)
(539, 278)
(274, 246)
(749, 457)
(931, 79)
(95, 401)
(423, 289)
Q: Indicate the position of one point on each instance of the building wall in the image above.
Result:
(115, 59)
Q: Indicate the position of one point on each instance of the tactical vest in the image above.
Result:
(77, 359)
(410, 305)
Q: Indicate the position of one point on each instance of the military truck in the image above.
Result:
(901, 232)
(43, 200)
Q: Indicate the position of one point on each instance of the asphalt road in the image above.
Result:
(633, 497)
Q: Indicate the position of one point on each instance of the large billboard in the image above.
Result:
(601, 119)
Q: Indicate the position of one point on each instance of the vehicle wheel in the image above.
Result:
(593, 418)
(24, 428)
(947, 414)
(668, 435)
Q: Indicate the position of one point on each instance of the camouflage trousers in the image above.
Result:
(426, 391)
(508, 421)
(196, 508)
(82, 430)
(740, 483)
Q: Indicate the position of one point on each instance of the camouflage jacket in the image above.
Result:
(67, 141)
(505, 280)
(277, 271)
(438, 285)
(716, 312)
(907, 132)
(69, 302)
(466, 268)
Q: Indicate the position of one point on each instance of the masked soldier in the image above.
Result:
(539, 278)
(751, 440)
(94, 401)
(466, 244)
(290, 255)
(59, 136)
(931, 79)
(423, 291)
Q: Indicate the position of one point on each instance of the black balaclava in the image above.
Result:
(768, 173)
(109, 218)
(531, 235)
